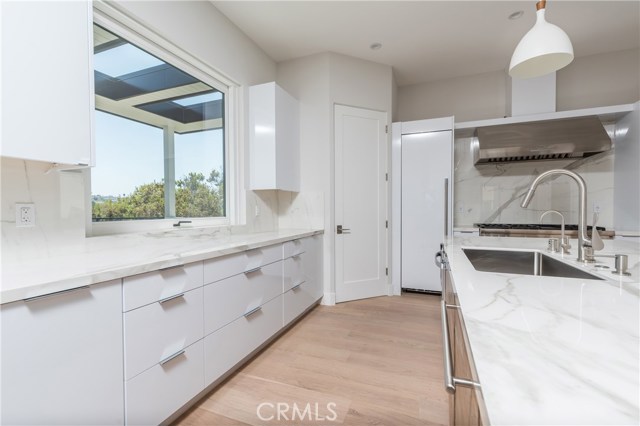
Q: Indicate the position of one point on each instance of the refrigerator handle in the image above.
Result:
(446, 207)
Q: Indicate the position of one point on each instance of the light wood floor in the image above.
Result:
(379, 361)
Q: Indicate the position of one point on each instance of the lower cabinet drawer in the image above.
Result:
(222, 267)
(227, 346)
(231, 298)
(156, 331)
(294, 271)
(299, 298)
(157, 393)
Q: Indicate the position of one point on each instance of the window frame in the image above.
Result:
(113, 19)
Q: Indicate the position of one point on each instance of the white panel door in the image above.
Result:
(426, 164)
(360, 203)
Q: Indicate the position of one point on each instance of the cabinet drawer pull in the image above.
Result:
(252, 270)
(253, 311)
(56, 293)
(167, 299)
(297, 255)
(297, 286)
(168, 268)
(170, 357)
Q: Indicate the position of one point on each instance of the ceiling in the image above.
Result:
(428, 40)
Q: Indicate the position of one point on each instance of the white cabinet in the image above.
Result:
(302, 284)
(233, 297)
(232, 343)
(274, 139)
(163, 331)
(157, 393)
(62, 358)
(47, 81)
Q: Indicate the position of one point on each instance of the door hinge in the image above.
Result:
(386, 177)
(386, 128)
(386, 224)
(386, 271)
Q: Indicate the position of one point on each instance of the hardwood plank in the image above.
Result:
(379, 360)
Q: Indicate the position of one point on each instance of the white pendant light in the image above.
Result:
(543, 50)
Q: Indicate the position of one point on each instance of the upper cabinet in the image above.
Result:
(47, 81)
(274, 139)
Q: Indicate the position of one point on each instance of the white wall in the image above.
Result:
(319, 82)
(475, 97)
(599, 80)
(591, 81)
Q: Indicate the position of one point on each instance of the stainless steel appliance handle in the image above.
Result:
(450, 381)
(446, 207)
(438, 259)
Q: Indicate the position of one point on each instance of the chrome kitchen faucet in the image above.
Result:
(583, 240)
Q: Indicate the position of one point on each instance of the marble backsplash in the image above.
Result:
(492, 193)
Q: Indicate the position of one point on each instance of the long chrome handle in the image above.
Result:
(167, 299)
(446, 207)
(450, 381)
(44, 296)
(446, 350)
(170, 357)
(253, 311)
(252, 270)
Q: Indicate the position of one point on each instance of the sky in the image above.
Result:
(129, 154)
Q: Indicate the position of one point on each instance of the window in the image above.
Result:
(160, 138)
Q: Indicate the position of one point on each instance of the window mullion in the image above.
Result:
(169, 173)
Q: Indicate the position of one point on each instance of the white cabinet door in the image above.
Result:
(47, 81)
(274, 139)
(160, 391)
(62, 358)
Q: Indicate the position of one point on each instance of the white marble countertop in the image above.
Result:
(553, 350)
(102, 259)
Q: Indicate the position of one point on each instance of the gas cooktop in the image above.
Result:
(533, 226)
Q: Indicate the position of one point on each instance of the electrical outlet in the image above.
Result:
(596, 208)
(25, 215)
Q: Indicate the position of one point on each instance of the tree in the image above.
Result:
(195, 197)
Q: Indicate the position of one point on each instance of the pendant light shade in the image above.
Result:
(543, 50)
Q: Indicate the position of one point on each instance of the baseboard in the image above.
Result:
(329, 299)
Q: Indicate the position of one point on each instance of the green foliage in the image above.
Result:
(196, 196)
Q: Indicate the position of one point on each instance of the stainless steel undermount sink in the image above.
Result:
(523, 262)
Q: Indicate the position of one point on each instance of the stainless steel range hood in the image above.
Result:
(576, 137)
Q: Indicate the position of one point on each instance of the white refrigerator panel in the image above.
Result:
(426, 202)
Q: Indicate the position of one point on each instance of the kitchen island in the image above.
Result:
(551, 350)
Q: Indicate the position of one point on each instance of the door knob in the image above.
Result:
(341, 230)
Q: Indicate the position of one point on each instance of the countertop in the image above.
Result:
(102, 259)
(553, 350)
